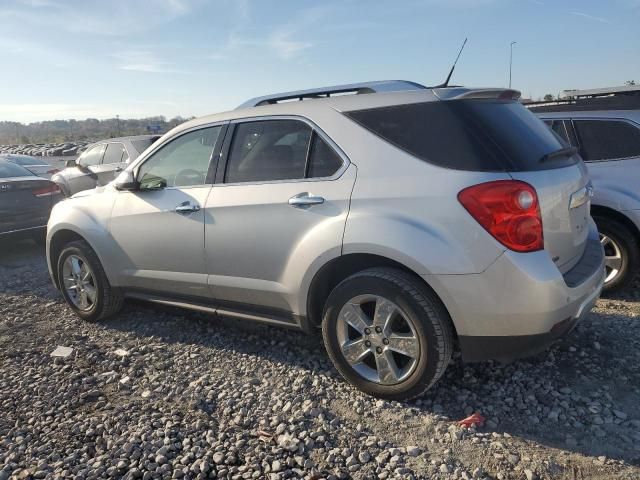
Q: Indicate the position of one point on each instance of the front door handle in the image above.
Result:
(305, 200)
(186, 208)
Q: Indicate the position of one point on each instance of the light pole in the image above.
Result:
(511, 60)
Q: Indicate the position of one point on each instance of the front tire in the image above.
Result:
(621, 253)
(387, 333)
(84, 284)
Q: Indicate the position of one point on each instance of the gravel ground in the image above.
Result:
(165, 393)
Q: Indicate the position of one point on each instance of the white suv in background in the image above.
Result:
(606, 131)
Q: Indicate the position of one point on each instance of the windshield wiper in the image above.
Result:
(563, 152)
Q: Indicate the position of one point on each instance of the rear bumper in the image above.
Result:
(520, 304)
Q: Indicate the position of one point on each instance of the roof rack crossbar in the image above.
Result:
(356, 88)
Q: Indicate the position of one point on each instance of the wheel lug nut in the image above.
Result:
(367, 343)
(378, 330)
(379, 350)
(385, 341)
(367, 331)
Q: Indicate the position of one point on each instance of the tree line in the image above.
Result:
(91, 129)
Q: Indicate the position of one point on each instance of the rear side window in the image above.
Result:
(477, 135)
(268, 150)
(607, 139)
(142, 145)
(114, 153)
(323, 160)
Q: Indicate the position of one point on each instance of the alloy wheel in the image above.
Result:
(378, 339)
(612, 258)
(79, 282)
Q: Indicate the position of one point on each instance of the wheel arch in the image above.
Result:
(56, 244)
(610, 213)
(339, 268)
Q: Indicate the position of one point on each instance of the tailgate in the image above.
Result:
(564, 196)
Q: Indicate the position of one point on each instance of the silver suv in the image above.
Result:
(398, 220)
(101, 162)
(606, 131)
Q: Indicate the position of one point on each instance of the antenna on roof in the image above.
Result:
(446, 82)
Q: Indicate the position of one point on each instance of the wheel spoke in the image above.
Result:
(354, 316)
(387, 368)
(405, 344)
(75, 265)
(614, 262)
(355, 351)
(91, 293)
(383, 314)
(604, 240)
(82, 300)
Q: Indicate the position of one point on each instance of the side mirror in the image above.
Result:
(126, 182)
(70, 163)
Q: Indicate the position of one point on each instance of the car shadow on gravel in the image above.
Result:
(571, 398)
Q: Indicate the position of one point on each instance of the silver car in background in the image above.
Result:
(606, 131)
(101, 162)
(393, 217)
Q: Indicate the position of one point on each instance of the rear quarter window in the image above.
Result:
(8, 170)
(476, 135)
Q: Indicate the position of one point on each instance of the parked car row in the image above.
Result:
(397, 220)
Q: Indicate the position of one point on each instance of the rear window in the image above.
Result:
(142, 145)
(8, 169)
(607, 139)
(477, 135)
(24, 160)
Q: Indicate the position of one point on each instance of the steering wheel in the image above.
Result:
(189, 176)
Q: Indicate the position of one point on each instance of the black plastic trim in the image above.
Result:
(510, 348)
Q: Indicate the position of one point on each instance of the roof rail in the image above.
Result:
(325, 92)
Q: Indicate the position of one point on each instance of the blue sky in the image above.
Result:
(85, 58)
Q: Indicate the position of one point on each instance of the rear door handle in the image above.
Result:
(186, 208)
(305, 200)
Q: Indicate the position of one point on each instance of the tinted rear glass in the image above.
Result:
(478, 135)
(8, 169)
(142, 145)
(25, 160)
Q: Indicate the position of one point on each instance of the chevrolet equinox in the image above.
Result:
(395, 218)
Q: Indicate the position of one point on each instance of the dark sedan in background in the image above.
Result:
(101, 162)
(25, 202)
(35, 165)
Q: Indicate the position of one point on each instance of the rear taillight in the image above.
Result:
(46, 191)
(508, 210)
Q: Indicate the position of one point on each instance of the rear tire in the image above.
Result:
(84, 284)
(621, 253)
(404, 336)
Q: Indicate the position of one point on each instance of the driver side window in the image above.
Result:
(182, 162)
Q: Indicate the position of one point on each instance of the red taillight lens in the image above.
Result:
(46, 191)
(508, 210)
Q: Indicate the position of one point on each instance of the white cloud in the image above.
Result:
(140, 61)
(113, 17)
(591, 17)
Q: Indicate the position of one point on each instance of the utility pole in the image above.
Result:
(511, 61)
